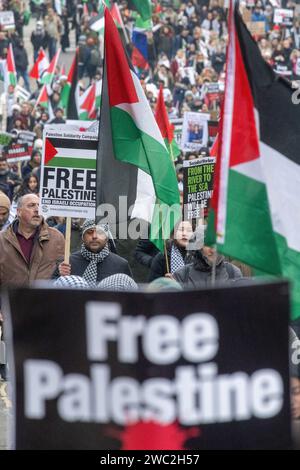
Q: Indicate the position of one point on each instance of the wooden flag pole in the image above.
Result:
(20, 169)
(67, 240)
(166, 256)
(164, 242)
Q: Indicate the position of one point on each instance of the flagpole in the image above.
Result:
(166, 255)
(164, 242)
(171, 151)
(67, 240)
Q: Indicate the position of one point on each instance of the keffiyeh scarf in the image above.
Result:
(177, 260)
(90, 274)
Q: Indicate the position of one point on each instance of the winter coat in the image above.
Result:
(199, 272)
(48, 248)
(112, 264)
(145, 252)
(159, 266)
(21, 58)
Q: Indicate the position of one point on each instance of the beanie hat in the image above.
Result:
(91, 224)
(4, 201)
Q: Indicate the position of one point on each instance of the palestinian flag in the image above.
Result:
(72, 77)
(133, 161)
(50, 72)
(96, 23)
(143, 7)
(166, 128)
(11, 68)
(40, 65)
(115, 13)
(88, 104)
(71, 95)
(44, 101)
(256, 203)
(63, 153)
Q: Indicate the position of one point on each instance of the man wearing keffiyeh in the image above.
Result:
(94, 261)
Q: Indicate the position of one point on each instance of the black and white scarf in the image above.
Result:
(177, 260)
(90, 274)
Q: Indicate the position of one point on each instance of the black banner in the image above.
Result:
(182, 370)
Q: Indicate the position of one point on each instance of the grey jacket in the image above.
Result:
(199, 272)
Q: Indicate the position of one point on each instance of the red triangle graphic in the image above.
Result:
(50, 151)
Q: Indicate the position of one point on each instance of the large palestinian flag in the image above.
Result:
(256, 203)
(133, 160)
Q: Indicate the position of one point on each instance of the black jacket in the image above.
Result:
(159, 265)
(145, 252)
(112, 264)
(199, 272)
(21, 59)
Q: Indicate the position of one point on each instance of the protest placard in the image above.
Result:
(68, 172)
(194, 131)
(7, 21)
(26, 137)
(197, 186)
(177, 123)
(283, 16)
(165, 370)
(17, 153)
(22, 94)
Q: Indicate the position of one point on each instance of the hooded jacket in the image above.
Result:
(199, 272)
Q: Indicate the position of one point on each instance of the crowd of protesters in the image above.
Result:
(186, 51)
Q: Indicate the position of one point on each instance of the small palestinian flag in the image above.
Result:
(11, 68)
(72, 98)
(166, 128)
(40, 65)
(44, 101)
(72, 78)
(50, 72)
(88, 106)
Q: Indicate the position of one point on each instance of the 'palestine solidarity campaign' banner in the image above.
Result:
(179, 370)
